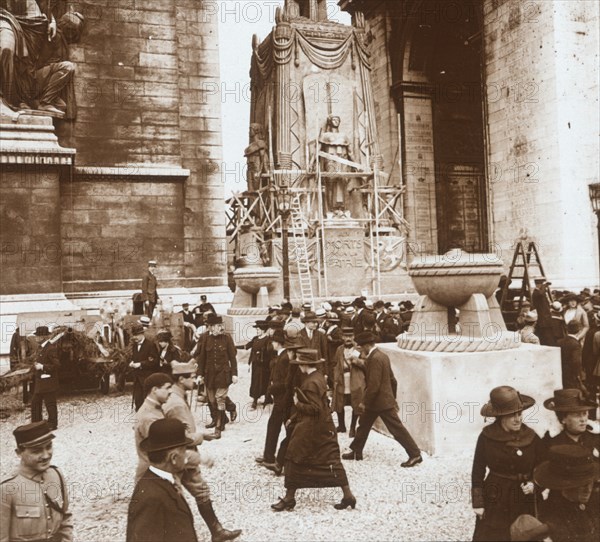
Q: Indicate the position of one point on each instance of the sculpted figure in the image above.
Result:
(33, 55)
(256, 156)
(333, 142)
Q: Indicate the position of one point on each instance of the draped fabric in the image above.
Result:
(326, 54)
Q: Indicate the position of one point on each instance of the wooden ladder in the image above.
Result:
(529, 262)
(304, 277)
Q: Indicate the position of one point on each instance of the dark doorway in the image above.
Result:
(455, 72)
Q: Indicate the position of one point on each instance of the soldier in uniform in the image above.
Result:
(177, 408)
(217, 365)
(149, 289)
(34, 503)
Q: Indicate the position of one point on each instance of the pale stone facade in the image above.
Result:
(529, 104)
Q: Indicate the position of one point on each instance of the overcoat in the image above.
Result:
(159, 513)
(510, 458)
(217, 361)
(357, 382)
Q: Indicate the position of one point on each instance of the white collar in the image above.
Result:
(163, 474)
(280, 351)
(371, 351)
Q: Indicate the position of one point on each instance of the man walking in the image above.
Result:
(177, 408)
(541, 304)
(34, 504)
(380, 402)
(217, 365)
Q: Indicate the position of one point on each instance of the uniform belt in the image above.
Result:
(515, 477)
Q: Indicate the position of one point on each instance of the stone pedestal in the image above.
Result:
(344, 257)
(441, 394)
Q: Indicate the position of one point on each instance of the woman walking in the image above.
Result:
(313, 453)
(509, 450)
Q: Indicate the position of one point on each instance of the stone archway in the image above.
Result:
(439, 91)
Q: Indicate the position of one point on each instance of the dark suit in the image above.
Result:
(159, 513)
(380, 402)
(570, 360)
(45, 386)
(277, 388)
(149, 292)
(541, 304)
(147, 355)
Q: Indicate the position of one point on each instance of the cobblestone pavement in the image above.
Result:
(95, 449)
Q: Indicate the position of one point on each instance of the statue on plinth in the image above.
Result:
(336, 144)
(36, 72)
(256, 156)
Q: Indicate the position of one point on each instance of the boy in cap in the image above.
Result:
(149, 289)
(34, 504)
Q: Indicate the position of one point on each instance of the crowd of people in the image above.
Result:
(311, 364)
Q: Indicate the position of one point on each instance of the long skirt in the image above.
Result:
(298, 476)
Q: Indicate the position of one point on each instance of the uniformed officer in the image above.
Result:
(34, 502)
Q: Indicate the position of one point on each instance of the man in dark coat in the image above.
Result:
(570, 357)
(45, 382)
(313, 338)
(217, 365)
(541, 303)
(157, 511)
(149, 289)
(144, 362)
(380, 402)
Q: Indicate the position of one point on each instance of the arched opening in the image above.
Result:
(439, 89)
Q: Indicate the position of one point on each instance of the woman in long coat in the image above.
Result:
(259, 361)
(348, 381)
(313, 453)
(509, 450)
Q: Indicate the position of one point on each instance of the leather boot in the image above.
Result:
(218, 425)
(213, 414)
(218, 533)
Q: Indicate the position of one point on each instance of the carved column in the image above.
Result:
(282, 40)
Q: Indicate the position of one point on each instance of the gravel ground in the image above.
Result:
(95, 449)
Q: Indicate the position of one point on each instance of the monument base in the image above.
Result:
(441, 394)
(239, 323)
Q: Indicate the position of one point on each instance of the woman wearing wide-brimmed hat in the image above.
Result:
(574, 312)
(571, 511)
(509, 450)
(313, 453)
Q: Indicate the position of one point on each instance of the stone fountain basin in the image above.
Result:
(252, 278)
(453, 278)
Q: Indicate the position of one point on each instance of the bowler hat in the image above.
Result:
(309, 317)
(33, 434)
(359, 302)
(526, 528)
(540, 280)
(378, 304)
(185, 305)
(261, 324)
(164, 335)
(569, 400)
(165, 434)
(505, 400)
(213, 319)
(278, 336)
(42, 331)
(366, 337)
(292, 339)
(189, 368)
(567, 467)
(137, 329)
(307, 356)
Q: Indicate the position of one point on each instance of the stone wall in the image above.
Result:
(142, 71)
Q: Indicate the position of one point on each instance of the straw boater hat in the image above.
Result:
(505, 400)
(151, 263)
(33, 434)
(184, 369)
(307, 356)
(569, 400)
(320, 313)
(567, 467)
(349, 330)
(165, 434)
(145, 321)
(530, 317)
